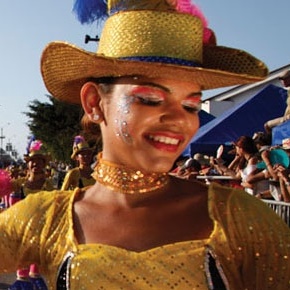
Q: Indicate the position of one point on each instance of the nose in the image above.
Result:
(173, 114)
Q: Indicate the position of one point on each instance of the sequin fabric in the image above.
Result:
(72, 180)
(19, 185)
(250, 243)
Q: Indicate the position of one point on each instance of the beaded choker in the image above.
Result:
(126, 180)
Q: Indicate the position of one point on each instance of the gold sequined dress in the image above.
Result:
(73, 179)
(250, 245)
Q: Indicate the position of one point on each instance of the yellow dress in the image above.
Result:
(19, 184)
(250, 242)
(72, 180)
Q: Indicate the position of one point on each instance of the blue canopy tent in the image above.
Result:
(280, 132)
(204, 118)
(244, 119)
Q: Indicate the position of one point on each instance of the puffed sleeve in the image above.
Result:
(254, 246)
(21, 232)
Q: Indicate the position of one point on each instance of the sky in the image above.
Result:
(258, 26)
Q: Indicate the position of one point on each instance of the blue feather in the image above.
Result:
(78, 139)
(32, 138)
(88, 11)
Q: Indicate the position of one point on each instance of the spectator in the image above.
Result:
(243, 164)
(81, 175)
(189, 170)
(269, 125)
(35, 180)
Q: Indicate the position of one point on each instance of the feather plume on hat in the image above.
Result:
(79, 145)
(35, 148)
(89, 11)
(152, 38)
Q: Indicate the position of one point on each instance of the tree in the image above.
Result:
(55, 123)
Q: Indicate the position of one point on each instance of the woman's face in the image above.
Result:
(85, 157)
(149, 122)
(36, 165)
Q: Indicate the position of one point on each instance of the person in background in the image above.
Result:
(269, 125)
(189, 169)
(260, 178)
(282, 171)
(244, 164)
(81, 175)
(36, 179)
(138, 227)
(274, 161)
(262, 141)
(179, 162)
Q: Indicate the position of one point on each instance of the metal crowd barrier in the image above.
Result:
(281, 208)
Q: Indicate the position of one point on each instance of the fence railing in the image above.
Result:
(281, 208)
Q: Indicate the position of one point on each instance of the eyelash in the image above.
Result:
(149, 101)
(158, 101)
(194, 108)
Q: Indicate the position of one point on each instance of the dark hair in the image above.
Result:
(261, 138)
(247, 144)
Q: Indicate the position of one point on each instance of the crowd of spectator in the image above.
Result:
(255, 165)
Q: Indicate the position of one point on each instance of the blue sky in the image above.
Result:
(257, 26)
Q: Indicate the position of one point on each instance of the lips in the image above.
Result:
(165, 142)
(164, 139)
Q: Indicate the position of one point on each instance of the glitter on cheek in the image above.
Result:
(121, 122)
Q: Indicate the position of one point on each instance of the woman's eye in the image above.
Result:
(191, 107)
(149, 100)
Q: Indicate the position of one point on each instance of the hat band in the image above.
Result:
(163, 59)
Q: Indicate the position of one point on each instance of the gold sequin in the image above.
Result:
(173, 266)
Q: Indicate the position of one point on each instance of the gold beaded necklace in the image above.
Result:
(127, 180)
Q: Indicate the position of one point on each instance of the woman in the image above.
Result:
(81, 175)
(244, 164)
(138, 227)
(36, 178)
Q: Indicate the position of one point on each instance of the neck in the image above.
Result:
(36, 176)
(127, 180)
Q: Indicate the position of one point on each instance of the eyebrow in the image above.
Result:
(158, 86)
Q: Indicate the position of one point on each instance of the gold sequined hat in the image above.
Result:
(35, 149)
(79, 145)
(154, 38)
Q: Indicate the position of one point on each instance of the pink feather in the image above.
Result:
(35, 145)
(185, 6)
(5, 183)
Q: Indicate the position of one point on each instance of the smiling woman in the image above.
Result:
(138, 227)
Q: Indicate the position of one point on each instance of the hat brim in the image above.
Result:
(46, 158)
(76, 152)
(65, 68)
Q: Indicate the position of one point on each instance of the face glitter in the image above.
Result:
(121, 122)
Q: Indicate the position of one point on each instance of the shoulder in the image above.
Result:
(237, 210)
(74, 171)
(43, 203)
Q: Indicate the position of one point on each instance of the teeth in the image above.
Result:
(166, 140)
